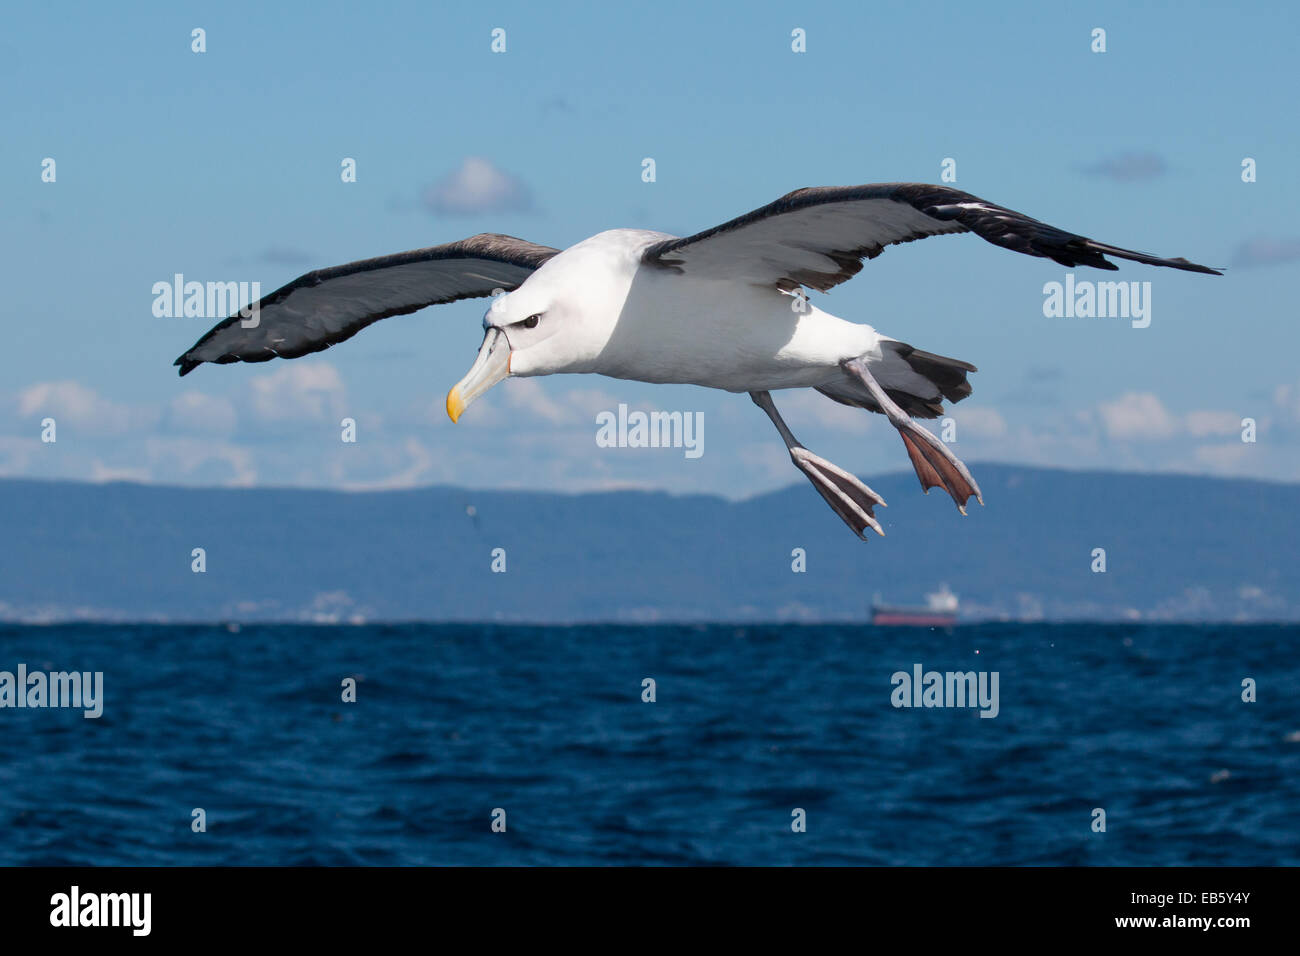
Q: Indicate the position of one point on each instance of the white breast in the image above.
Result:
(735, 336)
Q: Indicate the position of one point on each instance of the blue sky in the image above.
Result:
(225, 166)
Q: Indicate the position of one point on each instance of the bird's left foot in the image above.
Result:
(935, 464)
(848, 497)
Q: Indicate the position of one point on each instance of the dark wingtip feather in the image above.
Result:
(1098, 248)
(1180, 263)
(1194, 267)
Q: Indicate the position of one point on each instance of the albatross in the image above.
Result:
(724, 308)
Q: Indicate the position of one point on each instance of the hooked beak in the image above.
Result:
(491, 366)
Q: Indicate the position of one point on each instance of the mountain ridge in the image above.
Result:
(1178, 547)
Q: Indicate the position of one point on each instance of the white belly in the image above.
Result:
(727, 335)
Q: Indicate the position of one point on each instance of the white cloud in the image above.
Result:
(530, 396)
(573, 407)
(1130, 167)
(411, 475)
(806, 407)
(99, 472)
(1287, 399)
(979, 422)
(1263, 251)
(311, 392)
(269, 432)
(769, 460)
(17, 454)
(1203, 424)
(1137, 415)
(1141, 415)
(82, 407)
(587, 403)
(1224, 457)
(212, 462)
(477, 187)
(195, 411)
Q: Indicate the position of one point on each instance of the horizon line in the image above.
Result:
(638, 489)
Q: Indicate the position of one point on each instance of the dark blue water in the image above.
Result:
(451, 722)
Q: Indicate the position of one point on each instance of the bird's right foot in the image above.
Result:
(849, 498)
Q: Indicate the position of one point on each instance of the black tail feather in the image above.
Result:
(947, 374)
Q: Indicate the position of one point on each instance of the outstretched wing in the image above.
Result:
(819, 237)
(328, 306)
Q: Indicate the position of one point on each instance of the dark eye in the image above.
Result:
(531, 321)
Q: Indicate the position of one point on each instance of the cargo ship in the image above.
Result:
(940, 611)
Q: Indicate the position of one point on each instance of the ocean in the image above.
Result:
(764, 745)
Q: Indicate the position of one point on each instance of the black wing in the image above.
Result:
(328, 306)
(818, 237)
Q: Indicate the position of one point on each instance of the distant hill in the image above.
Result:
(1180, 548)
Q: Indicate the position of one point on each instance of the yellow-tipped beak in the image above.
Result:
(454, 404)
(491, 366)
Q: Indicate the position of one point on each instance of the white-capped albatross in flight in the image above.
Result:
(712, 309)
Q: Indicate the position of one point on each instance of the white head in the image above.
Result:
(558, 320)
